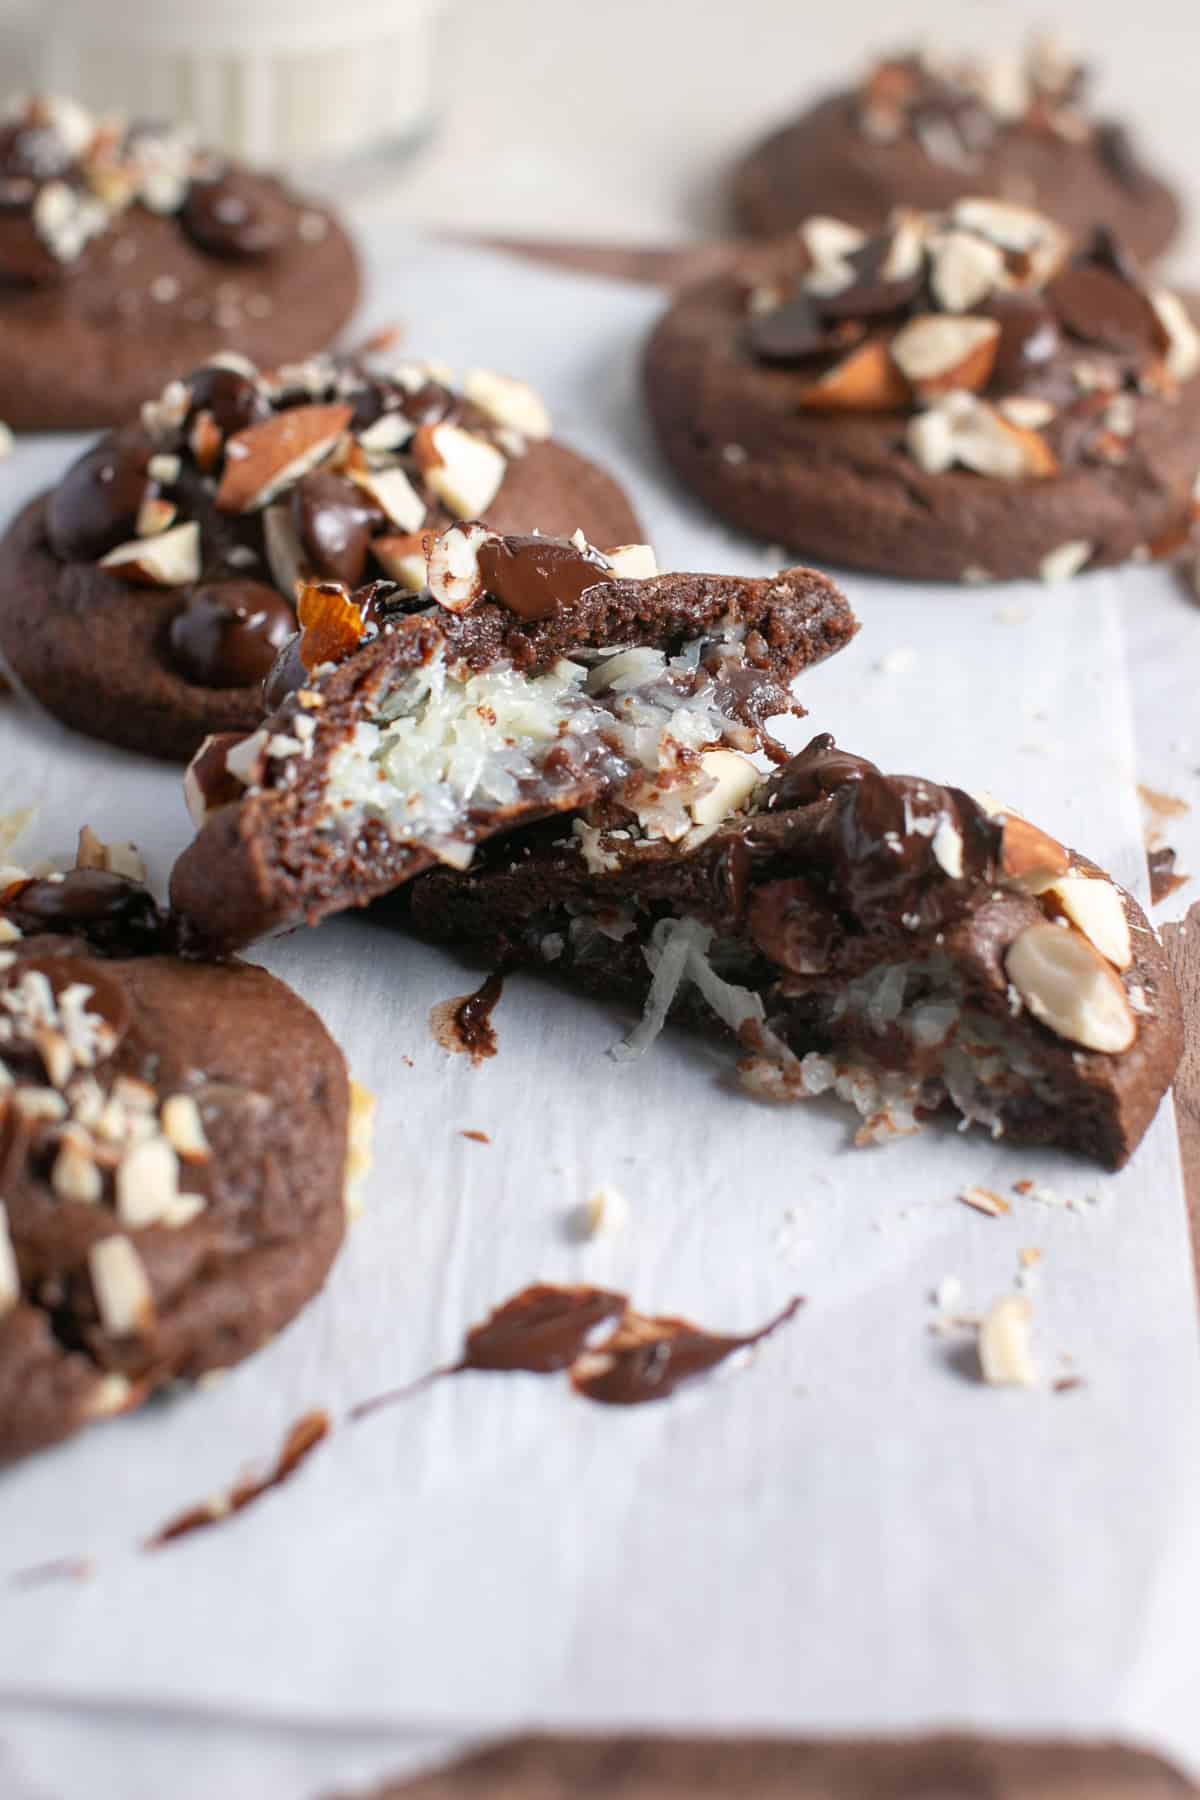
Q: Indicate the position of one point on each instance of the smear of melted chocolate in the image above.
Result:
(546, 1329)
(535, 576)
(1164, 881)
(298, 1446)
(646, 1359)
(464, 1026)
(58, 1568)
(477, 1137)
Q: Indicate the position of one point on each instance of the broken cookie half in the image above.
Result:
(879, 937)
(531, 676)
(176, 1144)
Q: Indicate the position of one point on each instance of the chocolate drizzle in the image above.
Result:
(302, 1439)
(113, 915)
(535, 576)
(545, 1329)
(464, 1026)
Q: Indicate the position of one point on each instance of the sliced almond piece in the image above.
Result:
(331, 626)
(390, 431)
(965, 270)
(263, 460)
(1066, 560)
(207, 783)
(632, 562)
(285, 553)
(1182, 344)
(1002, 222)
(865, 381)
(121, 1287)
(464, 471)
(734, 779)
(401, 556)
(1070, 987)
(1030, 859)
(940, 352)
(170, 560)
(395, 496)
(454, 576)
(184, 1128)
(10, 1279)
(1005, 1354)
(1097, 909)
(830, 240)
(508, 402)
(154, 517)
(147, 1180)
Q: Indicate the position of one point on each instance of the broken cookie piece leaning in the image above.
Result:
(879, 937)
(530, 677)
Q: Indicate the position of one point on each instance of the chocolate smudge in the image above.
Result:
(302, 1439)
(646, 1359)
(476, 1137)
(1164, 881)
(463, 1026)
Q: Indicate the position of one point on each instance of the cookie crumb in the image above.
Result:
(984, 1200)
(1005, 1352)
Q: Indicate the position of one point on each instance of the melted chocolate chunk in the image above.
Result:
(871, 296)
(1029, 339)
(335, 520)
(646, 1359)
(473, 1017)
(882, 834)
(301, 1441)
(230, 633)
(790, 921)
(1163, 879)
(541, 1329)
(234, 401)
(790, 332)
(1100, 307)
(112, 913)
(535, 576)
(817, 771)
(95, 505)
(286, 676)
(1104, 249)
(234, 214)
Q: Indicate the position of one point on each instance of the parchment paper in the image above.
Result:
(850, 1532)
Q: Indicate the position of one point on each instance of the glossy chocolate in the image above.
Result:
(335, 520)
(234, 401)
(535, 576)
(234, 214)
(110, 912)
(1097, 306)
(646, 1359)
(1029, 339)
(230, 633)
(891, 837)
(95, 505)
(791, 332)
(814, 773)
(541, 1329)
(472, 1018)
(303, 1438)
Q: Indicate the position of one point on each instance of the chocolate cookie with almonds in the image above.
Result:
(880, 938)
(925, 130)
(145, 597)
(127, 254)
(532, 677)
(967, 396)
(175, 1140)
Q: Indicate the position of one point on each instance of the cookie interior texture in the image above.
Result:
(923, 130)
(143, 600)
(879, 938)
(965, 396)
(436, 729)
(174, 1152)
(128, 253)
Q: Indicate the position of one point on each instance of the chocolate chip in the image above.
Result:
(95, 505)
(818, 770)
(234, 401)
(870, 296)
(235, 215)
(285, 677)
(790, 332)
(1098, 307)
(1029, 338)
(534, 576)
(1115, 149)
(229, 633)
(335, 520)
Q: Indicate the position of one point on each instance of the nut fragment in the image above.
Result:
(395, 496)
(1065, 561)
(262, 460)
(464, 471)
(960, 428)
(632, 562)
(1030, 859)
(1070, 988)
(331, 625)
(184, 1129)
(508, 402)
(10, 1278)
(359, 1134)
(865, 381)
(1097, 909)
(154, 516)
(121, 1287)
(734, 779)
(147, 1180)
(401, 556)
(938, 352)
(1182, 339)
(965, 269)
(1005, 1353)
(454, 576)
(172, 559)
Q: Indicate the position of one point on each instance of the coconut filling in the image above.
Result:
(446, 751)
(980, 1064)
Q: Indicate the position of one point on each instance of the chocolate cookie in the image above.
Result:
(173, 1154)
(924, 131)
(144, 599)
(534, 677)
(881, 938)
(127, 254)
(967, 396)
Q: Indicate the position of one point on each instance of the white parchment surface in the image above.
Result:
(847, 1533)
